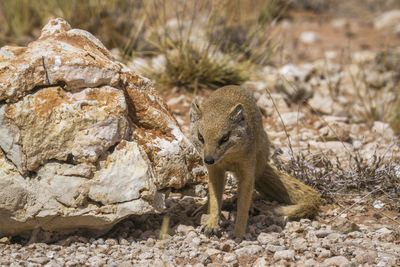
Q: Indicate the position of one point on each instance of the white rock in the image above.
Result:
(336, 147)
(141, 65)
(292, 118)
(335, 131)
(267, 238)
(284, 255)
(229, 257)
(184, 229)
(299, 244)
(249, 250)
(260, 262)
(323, 253)
(274, 248)
(311, 262)
(291, 71)
(383, 129)
(378, 204)
(257, 85)
(272, 103)
(385, 234)
(310, 37)
(336, 261)
(339, 23)
(323, 233)
(72, 147)
(366, 56)
(212, 251)
(330, 119)
(321, 104)
(388, 19)
(176, 100)
(331, 54)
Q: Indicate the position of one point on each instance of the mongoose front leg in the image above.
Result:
(246, 187)
(216, 184)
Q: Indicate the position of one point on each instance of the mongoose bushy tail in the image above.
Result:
(303, 200)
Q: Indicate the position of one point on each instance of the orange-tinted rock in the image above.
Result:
(83, 138)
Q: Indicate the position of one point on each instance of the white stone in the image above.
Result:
(267, 238)
(176, 100)
(291, 71)
(335, 131)
(383, 129)
(366, 56)
(299, 244)
(284, 255)
(388, 19)
(292, 118)
(260, 262)
(378, 204)
(229, 257)
(310, 37)
(321, 104)
(336, 261)
(249, 250)
(339, 23)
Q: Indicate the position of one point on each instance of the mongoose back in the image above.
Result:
(227, 131)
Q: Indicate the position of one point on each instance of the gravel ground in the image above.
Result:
(271, 240)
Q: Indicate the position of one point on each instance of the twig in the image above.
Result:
(283, 123)
(390, 197)
(355, 203)
(387, 216)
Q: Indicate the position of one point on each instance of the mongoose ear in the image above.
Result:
(195, 112)
(237, 113)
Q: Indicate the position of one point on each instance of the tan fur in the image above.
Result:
(232, 111)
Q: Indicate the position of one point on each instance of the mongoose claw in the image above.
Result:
(209, 231)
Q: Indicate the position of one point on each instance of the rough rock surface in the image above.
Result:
(84, 141)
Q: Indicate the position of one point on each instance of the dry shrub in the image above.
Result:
(207, 44)
(333, 178)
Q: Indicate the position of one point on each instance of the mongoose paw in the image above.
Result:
(209, 231)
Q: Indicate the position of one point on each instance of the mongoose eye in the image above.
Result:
(224, 138)
(201, 138)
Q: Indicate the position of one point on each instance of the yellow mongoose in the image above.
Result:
(227, 130)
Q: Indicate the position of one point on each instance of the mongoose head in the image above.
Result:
(219, 129)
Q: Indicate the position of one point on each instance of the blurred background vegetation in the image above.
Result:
(189, 44)
(234, 34)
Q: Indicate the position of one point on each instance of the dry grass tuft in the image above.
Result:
(331, 179)
(208, 44)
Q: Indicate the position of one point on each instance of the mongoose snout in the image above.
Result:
(209, 160)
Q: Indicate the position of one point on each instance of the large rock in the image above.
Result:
(84, 141)
(387, 20)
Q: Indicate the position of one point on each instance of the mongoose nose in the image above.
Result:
(209, 160)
